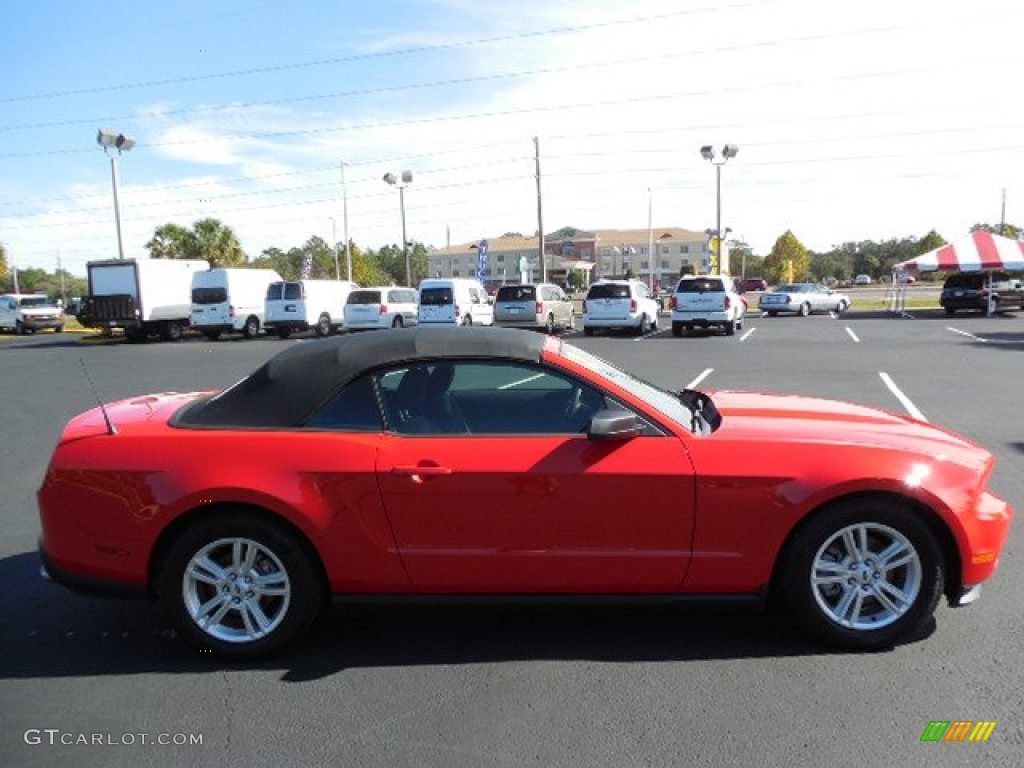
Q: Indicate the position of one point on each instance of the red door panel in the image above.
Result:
(537, 514)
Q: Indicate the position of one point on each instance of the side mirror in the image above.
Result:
(613, 424)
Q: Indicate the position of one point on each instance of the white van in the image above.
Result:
(454, 301)
(29, 312)
(386, 306)
(298, 305)
(226, 300)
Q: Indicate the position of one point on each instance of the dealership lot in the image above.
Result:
(529, 686)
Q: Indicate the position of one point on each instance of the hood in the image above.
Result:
(795, 419)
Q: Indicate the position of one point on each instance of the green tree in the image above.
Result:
(1009, 230)
(788, 254)
(169, 241)
(3, 260)
(215, 242)
(929, 242)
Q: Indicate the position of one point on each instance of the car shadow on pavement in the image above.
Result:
(54, 633)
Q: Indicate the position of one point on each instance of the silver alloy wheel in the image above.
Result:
(866, 576)
(236, 590)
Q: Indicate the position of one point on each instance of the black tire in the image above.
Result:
(295, 590)
(251, 329)
(284, 332)
(859, 578)
(773, 314)
(19, 328)
(950, 311)
(397, 322)
(805, 309)
(588, 330)
(467, 321)
(841, 307)
(171, 331)
(323, 325)
(549, 325)
(730, 328)
(677, 330)
(135, 335)
(58, 329)
(212, 335)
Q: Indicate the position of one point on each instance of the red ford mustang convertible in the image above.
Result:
(468, 462)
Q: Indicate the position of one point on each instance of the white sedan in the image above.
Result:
(803, 299)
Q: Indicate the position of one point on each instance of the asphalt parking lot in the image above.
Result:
(525, 686)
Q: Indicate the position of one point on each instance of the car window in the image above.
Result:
(353, 409)
(700, 285)
(216, 295)
(465, 397)
(516, 293)
(364, 297)
(436, 296)
(608, 291)
(292, 291)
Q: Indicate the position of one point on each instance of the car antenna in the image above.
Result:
(111, 430)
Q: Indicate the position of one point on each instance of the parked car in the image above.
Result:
(752, 284)
(970, 291)
(533, 305)
(803, 299)
(301, 305)
(862, 280)
(473, 462)
(226, 300)
(29, 312)
(382, 306)
(707, 301)
(622, 304)
(455, 301)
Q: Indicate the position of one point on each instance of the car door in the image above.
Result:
(511, 496)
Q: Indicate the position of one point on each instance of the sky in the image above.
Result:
(857, 121)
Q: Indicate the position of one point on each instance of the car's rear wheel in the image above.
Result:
(950, 311)
(677, 330)
(588, 330)
(397, 322)
(323, 325)
(863, 573)
(241, 586)
(467, 320)
(730, 328)
(805, 309)
(549, 325)
(251, 329)
(212, 335)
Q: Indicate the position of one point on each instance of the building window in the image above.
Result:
(664, 263)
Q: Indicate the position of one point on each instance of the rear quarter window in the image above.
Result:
(364, 297)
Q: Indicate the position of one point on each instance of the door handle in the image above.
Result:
(418, 472)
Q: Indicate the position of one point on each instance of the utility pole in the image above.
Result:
(540, 215)
(1002, 215)
(344, 219)
(60, 272)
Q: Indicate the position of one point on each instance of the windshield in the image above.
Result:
(667, 403)
(36, 301)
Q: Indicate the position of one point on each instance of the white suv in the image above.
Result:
(707, 301)
(626, 304)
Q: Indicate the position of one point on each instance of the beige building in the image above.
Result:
(597, 253)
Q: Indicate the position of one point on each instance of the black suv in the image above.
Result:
(969, 290)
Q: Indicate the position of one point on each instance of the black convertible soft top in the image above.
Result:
(288, 388)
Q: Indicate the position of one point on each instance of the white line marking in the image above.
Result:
(746, 335)
(968, 335)
(852, 335)
(693, 384)
(911, 408)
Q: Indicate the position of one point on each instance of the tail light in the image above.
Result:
(672, 303)
(383, 309)
(632, 305)
(540, 308)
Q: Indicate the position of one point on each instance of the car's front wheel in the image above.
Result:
(323, 325)
(805, 309)
(240, 586)
(863, 574)
(251, 329)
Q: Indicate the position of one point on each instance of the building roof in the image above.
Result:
(603, 237)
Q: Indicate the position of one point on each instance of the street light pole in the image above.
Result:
(406, 179)
(708, 153)
(344, 219)
(121, 143)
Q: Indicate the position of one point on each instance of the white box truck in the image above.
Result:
(145, 297)
(227, 300)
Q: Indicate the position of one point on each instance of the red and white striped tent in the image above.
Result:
(978, 251)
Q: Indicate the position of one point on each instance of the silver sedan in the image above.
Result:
(803, 299)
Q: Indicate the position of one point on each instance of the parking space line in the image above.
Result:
(693, 384)
(746, 335)
(852, 335)
(968, 335)
(906, 402)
